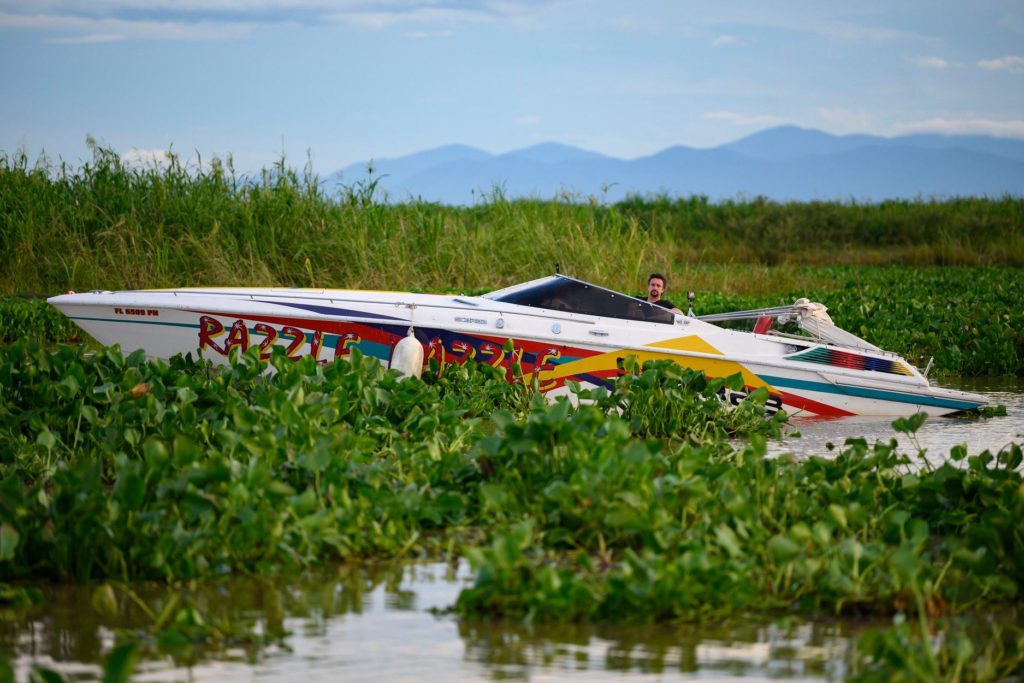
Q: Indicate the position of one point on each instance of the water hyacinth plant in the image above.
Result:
(366, 462)
(616, 508)
(21, 318)
(184, 470)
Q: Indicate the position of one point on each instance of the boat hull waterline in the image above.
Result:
(801, 376)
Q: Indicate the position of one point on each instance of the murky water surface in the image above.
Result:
(937, 436)
(360, 625)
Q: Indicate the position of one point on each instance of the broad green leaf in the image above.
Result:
(783, 548)
(104, 601)
(726, 538)
(9, 538)
(46, 439)
(119, 665)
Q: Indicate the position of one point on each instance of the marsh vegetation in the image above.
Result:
(632, 507)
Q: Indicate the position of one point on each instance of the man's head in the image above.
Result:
(655, 286)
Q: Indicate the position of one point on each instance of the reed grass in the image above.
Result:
(109, 226)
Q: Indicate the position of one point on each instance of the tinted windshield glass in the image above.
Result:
(573, 296)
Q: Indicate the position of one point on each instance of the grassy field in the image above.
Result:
(110, 227)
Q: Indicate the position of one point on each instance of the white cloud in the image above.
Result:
(75, 29)
(89, 39)
(382, 14)
(737, 119)
(719, 41)
(529, 120)
(818, 19)
(108, 20)
(1011, 63)
(803, 17)
(931, 63)
(423, 15)
(98, 8)
(999, 129)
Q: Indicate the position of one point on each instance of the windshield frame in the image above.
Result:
(566, 294)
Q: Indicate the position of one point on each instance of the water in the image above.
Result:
(360, 625)
(937, 436)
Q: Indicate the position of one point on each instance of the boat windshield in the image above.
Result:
(563, 293)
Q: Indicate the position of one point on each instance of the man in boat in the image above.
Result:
(655, 290)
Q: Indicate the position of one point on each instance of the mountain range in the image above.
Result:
(786, 163)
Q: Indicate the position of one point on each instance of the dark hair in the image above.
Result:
(661, 277)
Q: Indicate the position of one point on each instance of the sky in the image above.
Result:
(338, 82)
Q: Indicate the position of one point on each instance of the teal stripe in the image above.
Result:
(376, 349)
(136, 322)
(818, 355)
(864, 392)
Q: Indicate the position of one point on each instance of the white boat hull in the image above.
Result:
(802, 378)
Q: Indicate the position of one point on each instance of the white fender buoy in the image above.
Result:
(407, 357)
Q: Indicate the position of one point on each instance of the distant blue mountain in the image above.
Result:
(784, 163)
(790, 142)
(554, 153)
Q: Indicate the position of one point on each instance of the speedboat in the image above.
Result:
(556, 329)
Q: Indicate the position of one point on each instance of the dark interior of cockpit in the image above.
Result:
(574, 296)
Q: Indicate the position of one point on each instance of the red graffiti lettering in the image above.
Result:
(238, 336)
(343, 346)
(208, 329)
(545, 364)
(436, 351)
(514, 369)
(298, 338)
(467, 351)
(316, 344)
(270, 336)
(496, 355)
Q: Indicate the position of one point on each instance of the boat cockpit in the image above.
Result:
(563, 293)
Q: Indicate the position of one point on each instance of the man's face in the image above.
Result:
(655, 288)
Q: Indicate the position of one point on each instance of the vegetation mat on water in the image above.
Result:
(22, 318)
(631, 506)
(115, 466)
(118, 467)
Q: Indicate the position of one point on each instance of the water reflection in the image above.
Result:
(802, 651)
(937, 436)
(390, 624)
(245, 621)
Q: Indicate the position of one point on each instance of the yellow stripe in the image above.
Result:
(688, 343)
(709, 366)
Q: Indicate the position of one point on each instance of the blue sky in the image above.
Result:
(352, 80)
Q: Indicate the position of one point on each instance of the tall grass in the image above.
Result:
(960, 231)
(107, 225)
